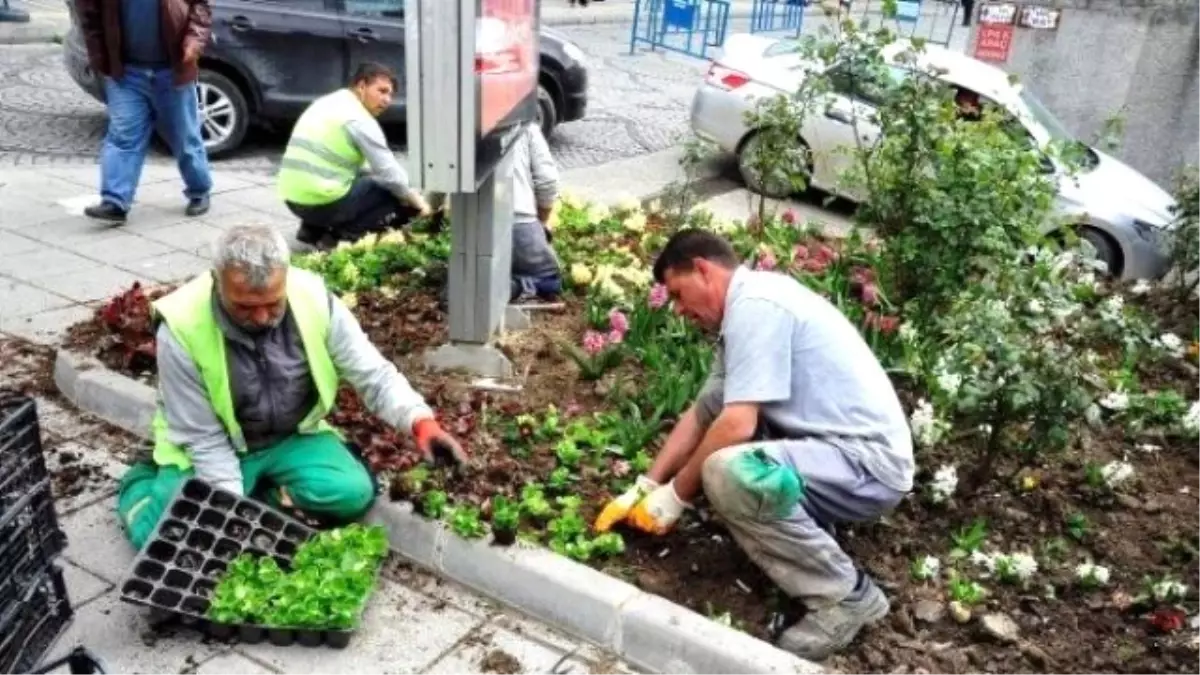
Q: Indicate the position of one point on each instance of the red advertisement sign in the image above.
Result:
(506, 58)
(993, 42)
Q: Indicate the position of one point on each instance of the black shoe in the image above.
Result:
(107, 212)
(197, 206)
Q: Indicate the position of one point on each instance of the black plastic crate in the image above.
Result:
(30, 625)
(202, 531)
(22, 465)
(30, 540)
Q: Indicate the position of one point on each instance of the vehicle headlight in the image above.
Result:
(573, 51)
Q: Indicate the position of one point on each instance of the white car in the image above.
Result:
(1123, 214)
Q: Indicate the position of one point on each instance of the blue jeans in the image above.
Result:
(142, 100)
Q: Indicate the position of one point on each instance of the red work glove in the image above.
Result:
(436, 445)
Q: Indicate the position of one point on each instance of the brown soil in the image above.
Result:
(499, 661)
(28, 369)
(1149, 530)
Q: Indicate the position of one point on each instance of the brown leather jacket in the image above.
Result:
(183, 22)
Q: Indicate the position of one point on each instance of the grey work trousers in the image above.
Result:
(798, 551)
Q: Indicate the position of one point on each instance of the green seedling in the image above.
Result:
(969, 539)
(534, 502)
(1077, 526)
(464, 520)
(434, 504)
(506, 514)
(965, 591)
(608, 544)
(560, 479)
(568, 453)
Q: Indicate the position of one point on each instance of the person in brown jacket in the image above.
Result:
(148, 52)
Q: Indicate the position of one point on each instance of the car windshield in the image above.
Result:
(1045, 118)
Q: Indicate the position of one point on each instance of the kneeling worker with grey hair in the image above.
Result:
(250, 356)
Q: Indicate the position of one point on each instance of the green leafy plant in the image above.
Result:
(560, 479)
(1077, 526)
(1185, 257)
(464, 520)
(608, 544)
(534, 502)
(331, 577)
(434, 504)
(967, 540)
(965, 591)
(568, 453)
(506, 514)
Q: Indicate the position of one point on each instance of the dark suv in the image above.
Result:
(269, 59)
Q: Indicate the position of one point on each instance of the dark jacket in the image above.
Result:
(183, 22)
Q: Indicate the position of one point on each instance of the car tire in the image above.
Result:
(753, 182)
(547, 112)
(1106, 249)
(224, 113)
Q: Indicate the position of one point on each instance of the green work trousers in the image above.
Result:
(318, 471)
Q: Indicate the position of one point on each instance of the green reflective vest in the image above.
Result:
(321, 160)
(188, 313)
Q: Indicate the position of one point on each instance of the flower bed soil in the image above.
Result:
(1150, 531)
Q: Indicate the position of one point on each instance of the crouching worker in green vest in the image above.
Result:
(324, 178)
(249, 360)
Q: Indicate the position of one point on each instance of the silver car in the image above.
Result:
(1120, 212)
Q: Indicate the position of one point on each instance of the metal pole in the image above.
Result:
(11, 15)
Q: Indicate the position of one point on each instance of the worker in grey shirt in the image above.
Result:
(797, 429)
(535, 266)
(324, 177)
(250, 359)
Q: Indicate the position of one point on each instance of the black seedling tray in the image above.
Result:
(30, 624)
(202, 530)
(22, 466)
(30, 540)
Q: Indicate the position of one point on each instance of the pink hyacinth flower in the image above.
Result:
(888, 324)
(618, 322)
(766, 261)
(615, 337)
(870, 294)
(658, 296)
(593, 342)
(800, 252)
(816, 265)
(790, 217)
(862, 275)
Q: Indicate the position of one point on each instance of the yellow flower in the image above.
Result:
(635, 222)
(598, 212)
(388, 291)
(393, 237)
(350, 274)
(568, 198)
(350, 300)
(723, 226)
(367, 241)
(580, 274)
(344, 246)
(629, 205)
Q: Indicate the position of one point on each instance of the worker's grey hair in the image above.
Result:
(253, 250)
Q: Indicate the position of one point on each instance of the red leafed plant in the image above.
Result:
(128, 319)
(1168, 619)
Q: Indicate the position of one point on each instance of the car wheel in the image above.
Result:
(772, 189)
(547, 114)
(224, 114)
(1106, 249)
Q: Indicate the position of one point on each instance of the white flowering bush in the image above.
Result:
(943, 485)
(1012, 361)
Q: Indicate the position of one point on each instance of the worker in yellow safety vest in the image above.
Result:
(250, 356)
(322, 178)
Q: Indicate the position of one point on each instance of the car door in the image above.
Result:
(846, 119)
(374, 31)
(294, 49)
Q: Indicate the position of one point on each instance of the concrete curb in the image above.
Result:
(647, 630)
